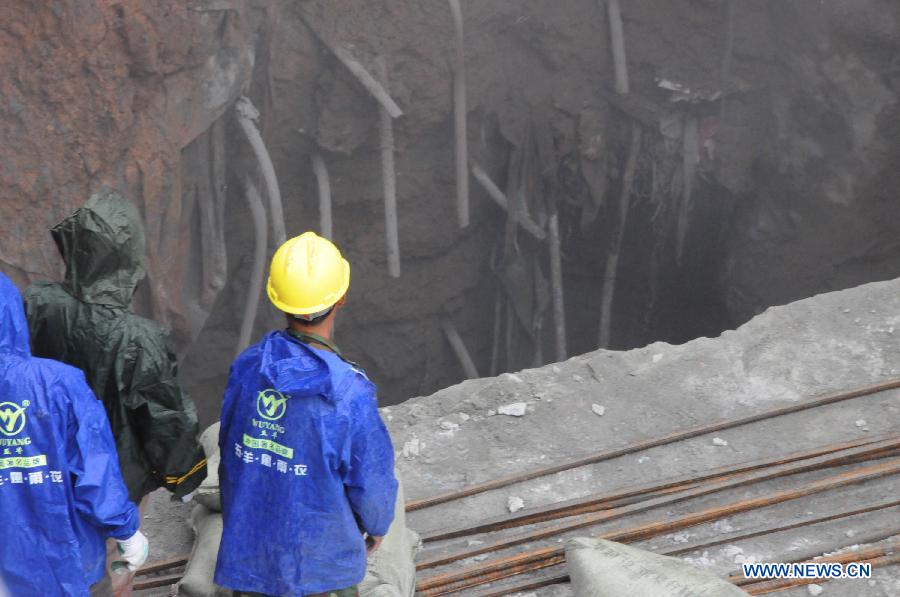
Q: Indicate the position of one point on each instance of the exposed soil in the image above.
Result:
(793, 192)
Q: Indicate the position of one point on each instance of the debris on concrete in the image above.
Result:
(514, 503)
(701, 561)
(722, 526)
(718, 441)
(449, 426)
(598, 410)
(516, 409)
(815, 589)
(735, 554)
(412, 448)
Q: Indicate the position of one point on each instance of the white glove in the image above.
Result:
(134, 551)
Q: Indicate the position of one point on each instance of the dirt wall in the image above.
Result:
(793, 190)
(97, 93)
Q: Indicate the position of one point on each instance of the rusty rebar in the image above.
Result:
(878, 556)
(732, 538)
(651, 443)
(484, 573)
(616, 498)
(587, 520)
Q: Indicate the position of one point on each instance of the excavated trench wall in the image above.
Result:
(783, 117)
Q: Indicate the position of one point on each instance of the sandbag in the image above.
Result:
(600, 568)
(391, 570)
(207, 493)
(198, 577)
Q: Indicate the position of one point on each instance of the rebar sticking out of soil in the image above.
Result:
(389, 179)
(356, 69)
(459, 348)
(610, 275)
(617, 38)
(460, 117)
(556, 282)
(324, 184)
(368, 81)
(260, 240)
(522, 218)
(247, 114)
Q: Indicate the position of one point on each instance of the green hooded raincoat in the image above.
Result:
(128, 360)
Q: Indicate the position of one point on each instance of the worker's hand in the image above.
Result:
(134, 551)
(373, 543)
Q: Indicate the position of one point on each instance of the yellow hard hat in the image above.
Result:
(308, 275)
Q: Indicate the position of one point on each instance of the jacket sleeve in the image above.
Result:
(369, 470)
(99, 490)
(165, 419)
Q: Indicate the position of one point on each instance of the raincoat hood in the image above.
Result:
(13, 327)
(103, 247)
(294, 368)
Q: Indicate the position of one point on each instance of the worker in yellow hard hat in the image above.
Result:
(308, 281)
(307, 470)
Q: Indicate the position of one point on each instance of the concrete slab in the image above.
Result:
(820, 345)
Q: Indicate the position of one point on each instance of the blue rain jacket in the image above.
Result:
(307, 466)
(61, 491)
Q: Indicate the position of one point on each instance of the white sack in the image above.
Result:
(198, 577)
(208, 492)
(600, 568)
(391, 571)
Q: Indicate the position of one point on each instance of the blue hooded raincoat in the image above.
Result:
(61, 491)
(307, 467)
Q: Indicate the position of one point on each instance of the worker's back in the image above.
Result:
(61, 493)
(128, 361)
(306, 466)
